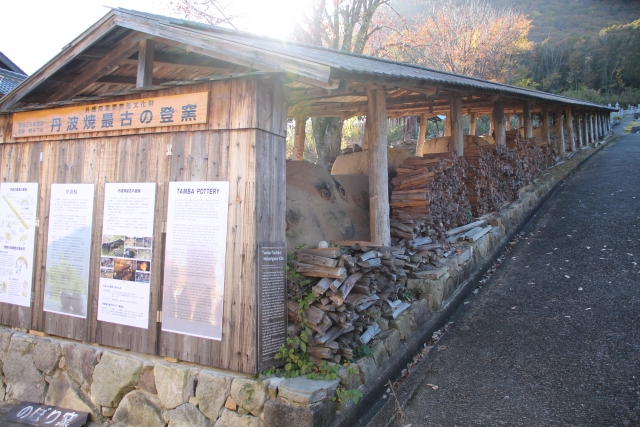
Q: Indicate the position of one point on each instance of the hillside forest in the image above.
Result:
(587, 49)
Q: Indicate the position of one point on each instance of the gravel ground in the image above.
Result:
(552, 338)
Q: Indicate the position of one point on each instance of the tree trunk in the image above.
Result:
(327, 133)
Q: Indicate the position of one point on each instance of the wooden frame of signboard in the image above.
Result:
(243, 142)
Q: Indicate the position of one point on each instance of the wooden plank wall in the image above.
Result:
(243, 142)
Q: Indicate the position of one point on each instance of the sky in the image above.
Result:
(33, 31)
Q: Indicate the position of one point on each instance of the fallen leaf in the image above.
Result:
(588, 308)
(588, 247)
(579, 289)
(567, 276)
(433, 386)
(514, 307)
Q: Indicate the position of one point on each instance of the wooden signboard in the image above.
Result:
(272, 309)
(175, 110)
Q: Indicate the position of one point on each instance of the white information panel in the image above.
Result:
(195, 252)
(125, 263)
(18, 212)
(66, 286)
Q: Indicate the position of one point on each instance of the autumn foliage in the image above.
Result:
(469, 38)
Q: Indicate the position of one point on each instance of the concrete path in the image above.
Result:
(553, 338)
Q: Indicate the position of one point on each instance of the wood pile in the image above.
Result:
(440, 192)
(428, 196)
(354, 286)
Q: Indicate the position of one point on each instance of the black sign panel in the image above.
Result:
(34, 414)
(272, 302)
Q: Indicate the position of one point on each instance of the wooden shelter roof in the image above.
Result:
(102, 62)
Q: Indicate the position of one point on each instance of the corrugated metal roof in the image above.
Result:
(361, 64)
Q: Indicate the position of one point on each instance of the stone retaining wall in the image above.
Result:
(122, 388)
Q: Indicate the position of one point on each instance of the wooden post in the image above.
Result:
(145, 63)
(579, 127)
(592, 128)
(491, 125)
(560, 133)
(367, 133)
(544, 124)
(447, 125)
(570, 130)
(473, 121)
(378, 174)
(600, 126)
(457, 137)
(499, 124)
(298, 139)
(422, 134)
(528, 125)
(585, 128)
(519, 123)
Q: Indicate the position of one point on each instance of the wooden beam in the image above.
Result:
(591, 128)
(124, 80)
(499, 125)
(145, 63)
(528, 123)
(298, 140)
(208, 44)
(570, 129)
(97, 69)
(378, 173)
(424, 122)
(473, 122)
(457, 137)
(423, 90)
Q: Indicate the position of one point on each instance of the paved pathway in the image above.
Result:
(553, 338)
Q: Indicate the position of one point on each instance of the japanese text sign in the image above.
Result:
(34, 414)
(175, 110)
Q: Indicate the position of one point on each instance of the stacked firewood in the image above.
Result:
(353, 287)
(428, 196)
(439, 192)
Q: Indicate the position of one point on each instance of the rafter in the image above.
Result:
(97, 69)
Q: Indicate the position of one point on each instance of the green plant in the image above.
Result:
(407, 296)
(294, 352)
(324, 371)
(343, 395)
(353, 369)
(271, 371)
(298, 361)
(365, 350)
(247, 391)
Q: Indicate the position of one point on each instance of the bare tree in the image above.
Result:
(212, 12)
(347, 25)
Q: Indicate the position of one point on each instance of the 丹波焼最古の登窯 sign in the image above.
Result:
(174, 110)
